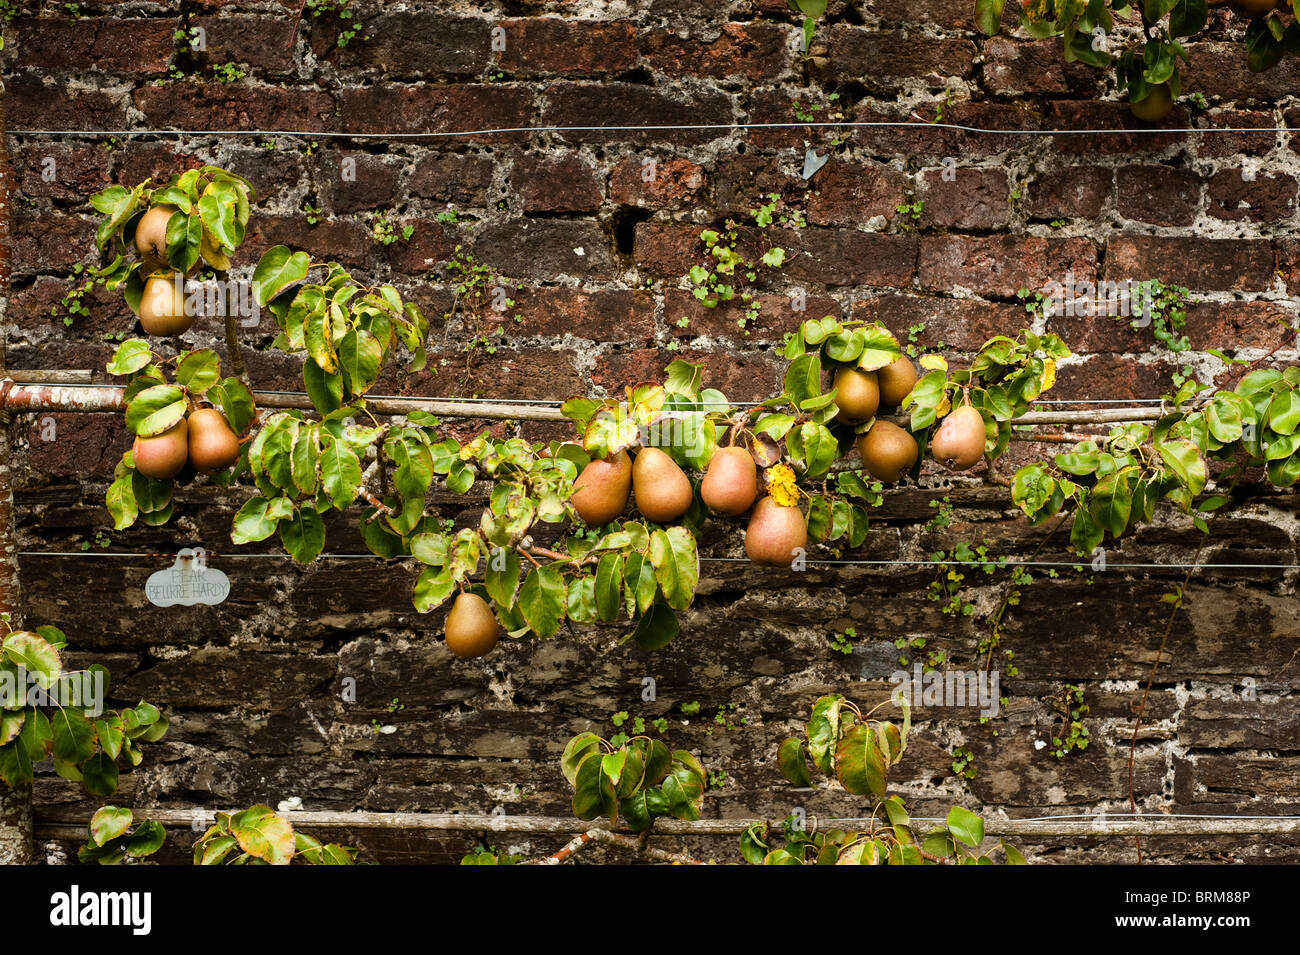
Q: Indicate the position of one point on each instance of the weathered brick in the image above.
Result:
(1016, 67)
(156, 161)
(601, 315)
(1265, 197)
(563, 183)
(141, 46)
(264, 43)
(193, 104)
(1288, 263)
(275, 173)
(1076, 115)
(742, 182)
(69, 445)
(847, 257)
(428, 246)
(1218, 69)
(457, 179)
(427, 44)
(1261, 324)
(51, 241)
(886, 60)
(30, 308)
(940, 13)
(1070, 192)
(1160, 195)
(961, 324)
(551, 45)
(649, 182)
(923, 139)
(977, 199)
(625, 104)
(1109, 376)
(756, 52)
(1217, 144)
(420, 109)
(741, 376)
(1000, 265)
(339, 240)
(667, 249)
(515, 373)
(60, 171)
(547, 249)
(35, 104)
(1239, 265)
(852, 194)
(776, 316)
(370, 182)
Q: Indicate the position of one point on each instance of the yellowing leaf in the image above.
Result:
(934, 363)
(944, 407)
(1049, 374)
(781, 485)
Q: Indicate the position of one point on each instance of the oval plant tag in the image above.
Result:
(187, 582)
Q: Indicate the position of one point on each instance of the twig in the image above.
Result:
(579, 842)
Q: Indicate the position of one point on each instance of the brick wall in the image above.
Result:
(595, 256)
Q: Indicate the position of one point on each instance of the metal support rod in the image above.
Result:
(64, 823)
(60, 397)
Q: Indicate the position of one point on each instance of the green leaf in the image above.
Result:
(803, 379)
(823, 731)
(859, 764)
(988, 16)
(303, 535)
(340, 471)
(34, 654)
(656, 628)
(120, 501)
(543, 600)
(252, 523)
(99, 775)
(576, 750)
(263, 834)
(502, 576)
(1184, 459)
(593, 794)
(879, 348)
(155, 410)
(676, 565)
(965, 826)
(640, 583)
(108, 823)
(1112, 500)
(792, 758)
(277, 270)
(130, 356)
(217, 211)
(360, 357)
(609, 586)
(433, 587)
(1283, 415)
(74, 735)
(184, 241)
(198, 370)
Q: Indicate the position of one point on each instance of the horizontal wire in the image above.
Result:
(1083, 565)
(665, 127)
(1109, 817)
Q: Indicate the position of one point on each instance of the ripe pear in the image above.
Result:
(213, 446)
(663, 491)
(471, 626)
(959, 443)
(162, 306)
(1253, 9)
(896, 381)
(151, 234)
(162, 456)
(888, 451)
(775, 533)
(857, 394)
(1156, 106)
(731, 482)
(601, 491)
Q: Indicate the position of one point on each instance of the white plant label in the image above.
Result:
(187, 582)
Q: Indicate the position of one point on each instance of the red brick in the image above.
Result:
(1107, 376)
(34, 104)
(975, 198)
(1236, 325)
(1218, 69)
(1160, 195)
(430, 44)
(667, 249)
(77, 171)
(261, 42)
(888, 60)
(546, 249)
(554, 46)
(962, 324)
(419, 109)
(275, 173)
(1288, 258)
(198, 105)
(776, 106)
(136, 162)
(1269, 197)
(141, 46)
(1215, 145)
(740, 183)
(83, 444)
(30, 305)
(1015, 67)
(848, 257)
(851, 194)
(776, 316)
(373, 183)
(920, 138)
(340, 240)
(673, 184)
(600, 315)
(940, 13)
(1095, 325)
(1001, 265)
(627, 104)
(519, 373)
(757, 52)
(564, 183)
(428, 246)
(456, 179)
(1200, 264)
(741, 376)
(49, 241)
(1070, 192)
(1071, 114)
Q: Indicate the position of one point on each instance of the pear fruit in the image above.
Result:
(162, 306)
(663, 491)
(1156, 106)
(775, 533)
(151, 234)
(162, 456)
(959, 443)
(888, 451)
(601, 491)
(1253, 9)
(896, 381)
(730, 484)
(471, 626)
(213, 446)
(857, 394)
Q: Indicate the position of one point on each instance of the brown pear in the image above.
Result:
(162, 306)
(1253, 9)
(1157, 104)
(888, 451)
(731, 482)
(896, 381)
(151, 234)
(601, 491)
(775, 533)
(162, 456)
(663, 491)
(959, 443)
(471, 626)
(213, 446)
(857, 394)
